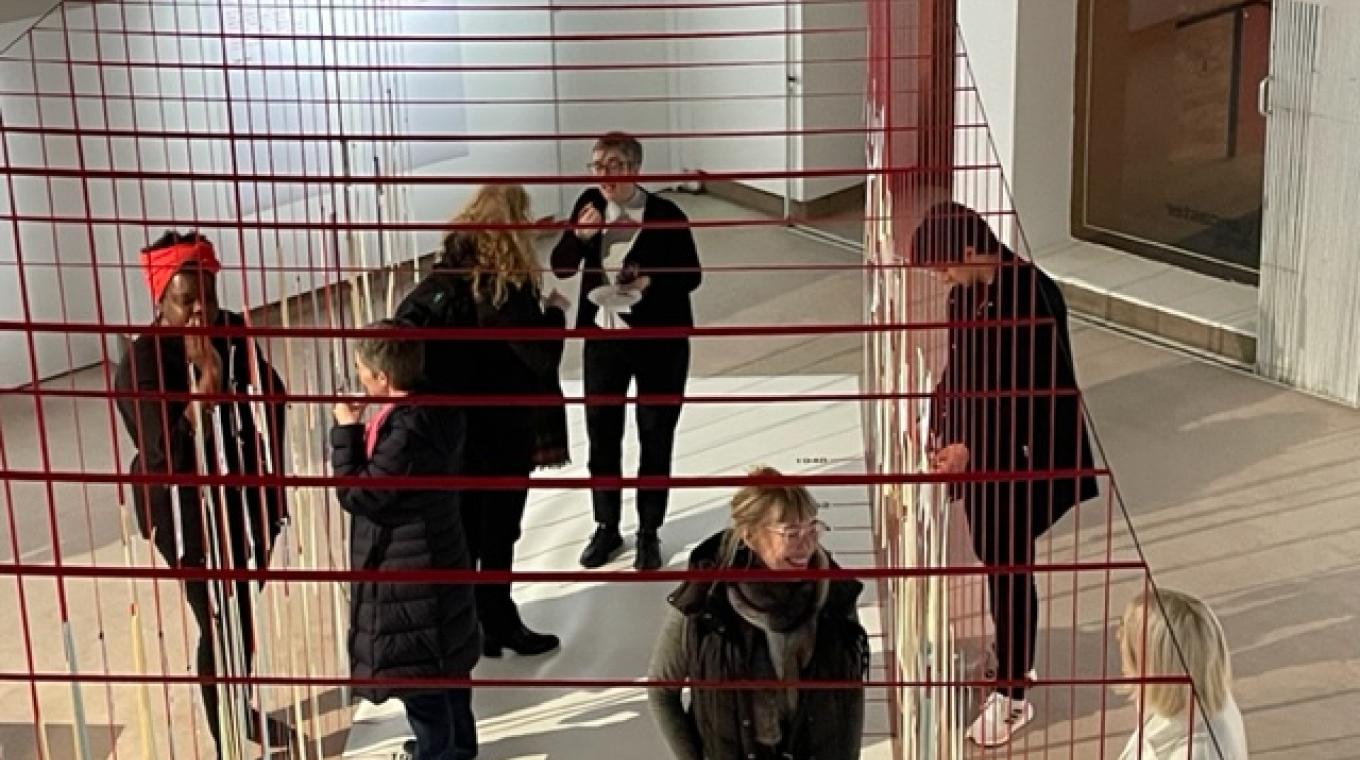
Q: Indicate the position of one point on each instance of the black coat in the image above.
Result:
(165, 443)
(666, 302)
(828, 724)
(500, 439)
(406, 630)
(1027, 414)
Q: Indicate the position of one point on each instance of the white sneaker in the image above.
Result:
(1000, 718)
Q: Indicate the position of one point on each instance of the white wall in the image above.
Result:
(1040, 167)
(989, 30)
(67, 293)
(744, 97)
(827, 92)
(67, 283)
(1023, 60)
(831, 94)
(634, 71)
(1309, 310)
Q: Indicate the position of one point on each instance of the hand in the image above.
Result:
(198, 349)
(558, 301)
(589, 222)
(950, 459)
(208, 381)
(348, 412)
(638, 284)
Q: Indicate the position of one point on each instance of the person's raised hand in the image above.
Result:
(589, 222)
(198, 348)
(348, 412)
(950, 459)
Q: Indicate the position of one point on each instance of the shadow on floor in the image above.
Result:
(19, 741)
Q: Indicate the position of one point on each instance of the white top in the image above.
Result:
(617, 242)
(1165, 738)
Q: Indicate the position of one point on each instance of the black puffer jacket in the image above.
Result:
(406, 630)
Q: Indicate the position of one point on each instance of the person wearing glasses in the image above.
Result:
(790, 631)
(638, 266)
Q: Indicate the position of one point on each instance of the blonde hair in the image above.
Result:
(1171, 625)
(755, 506)
(505, 257)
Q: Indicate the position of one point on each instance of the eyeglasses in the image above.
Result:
(611, 166)
(813, 529)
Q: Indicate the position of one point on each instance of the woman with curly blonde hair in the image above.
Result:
(488, 277)
(500, 257)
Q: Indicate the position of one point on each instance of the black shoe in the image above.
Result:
(280, 734)
(648, 551)
(524, 642)
(604, 546)
(408, 752)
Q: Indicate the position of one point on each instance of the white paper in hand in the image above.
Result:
(613, 303)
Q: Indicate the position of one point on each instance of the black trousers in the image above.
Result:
(234, 599)
(443, 723)
(658, 367)
(1004, 531)
(499, 444)
(491, 522)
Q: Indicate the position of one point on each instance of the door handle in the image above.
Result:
(1263, 96)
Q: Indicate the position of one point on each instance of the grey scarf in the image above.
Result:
(786, 613)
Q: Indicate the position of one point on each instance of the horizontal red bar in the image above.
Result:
(481, 483)
(459, 7)
(477, 577)
(517, 68)
(266, 98)
(507, 333)
(569, 683)
(403, 39)
(434, 399)
(455, 179)
(321, 225)
(127, 266)
(438, 137)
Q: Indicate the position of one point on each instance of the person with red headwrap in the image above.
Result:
(180, 272)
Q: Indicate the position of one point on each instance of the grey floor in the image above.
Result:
(1237, 490)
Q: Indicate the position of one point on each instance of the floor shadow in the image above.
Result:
(1216, 429)
(19, 741)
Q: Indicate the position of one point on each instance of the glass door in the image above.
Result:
(1170, 144)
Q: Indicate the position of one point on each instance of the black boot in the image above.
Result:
(648, 551)
(522, 641)
(604, 546)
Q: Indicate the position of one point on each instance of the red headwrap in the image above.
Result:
(161, 264)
